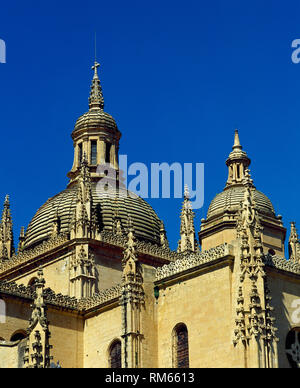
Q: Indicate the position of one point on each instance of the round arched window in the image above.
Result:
(115, 354)
(180, 346)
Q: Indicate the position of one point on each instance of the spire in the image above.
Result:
(96, 100)
(237, 144)
(294, 244)
(6, 232)
(237, 162)
(82, 223)
(37, 352)
(21, 239)
(187, 241)
(132, 299)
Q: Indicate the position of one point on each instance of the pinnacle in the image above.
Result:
(237, 143)
(96, 100)
(6, 202)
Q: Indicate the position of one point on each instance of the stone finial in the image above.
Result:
(294, 244)
(237, 143)
(130, 263)
(163, 236)
(129, 252)
(21, 239)
(96, 100)
(187, 242)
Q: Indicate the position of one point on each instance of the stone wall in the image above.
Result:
(284, 290)
(203, 304)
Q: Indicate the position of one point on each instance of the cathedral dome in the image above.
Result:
(230, 200)
(96, 118)
(238, 173)
(144, 219)
(96, 143)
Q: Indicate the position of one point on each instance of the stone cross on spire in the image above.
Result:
(187, 242)
(95, 68)
(96, 100)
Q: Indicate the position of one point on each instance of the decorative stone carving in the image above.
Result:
(282, 264)
(30, 254)
(131, 300)
(100, 298)
(294, 244)
(240, 332)
(254, 323)
(21, 240)
(63, 301)
(192, 260)
(82, 272)
(84, 221)
(188, 242)
(163, 236)
(37, 351)
(6, 233)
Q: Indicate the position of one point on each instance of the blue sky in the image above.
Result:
(178, 77)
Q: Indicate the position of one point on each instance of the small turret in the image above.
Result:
(237, 162)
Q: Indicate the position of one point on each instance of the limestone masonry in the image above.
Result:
(94, 283)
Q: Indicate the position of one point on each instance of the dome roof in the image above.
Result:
(144, 219)
(231, 198)
(96, 118)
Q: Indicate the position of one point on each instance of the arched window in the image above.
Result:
(80, 153)
(18, 335)
(292, 347)
(94, 152)
(180, 346)
(107, 153)
(115, 354)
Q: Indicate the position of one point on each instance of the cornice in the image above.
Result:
(193, 261)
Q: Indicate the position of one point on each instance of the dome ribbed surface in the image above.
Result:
(145, 221)
(231, 198)
(96, 118)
